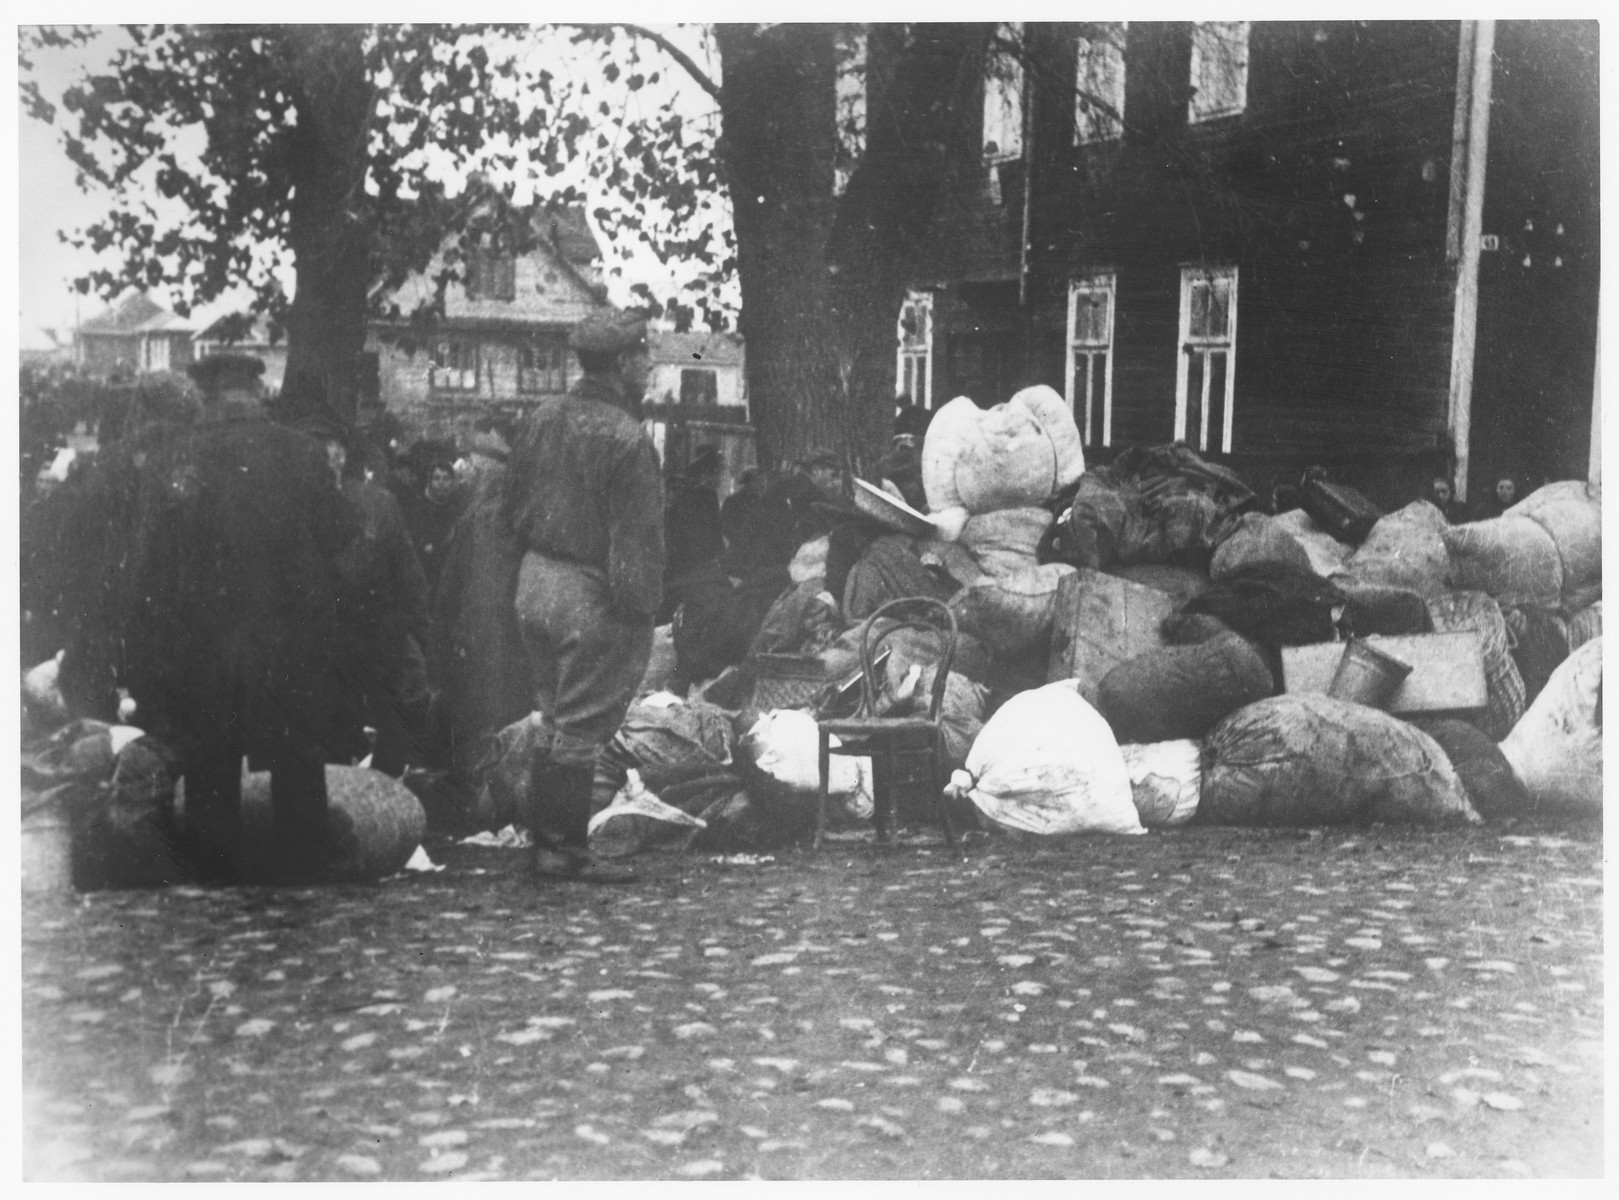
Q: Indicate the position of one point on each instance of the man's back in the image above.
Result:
(584, 487)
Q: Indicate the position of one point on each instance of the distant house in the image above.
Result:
(136, 336)
(696, 369)
(503, 340)
(257, 341)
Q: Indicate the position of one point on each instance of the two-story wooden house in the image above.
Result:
(503, 338)
(1362, 244)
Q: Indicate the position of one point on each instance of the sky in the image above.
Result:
(49, 202)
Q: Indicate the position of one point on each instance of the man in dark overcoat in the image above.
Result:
(214, 601)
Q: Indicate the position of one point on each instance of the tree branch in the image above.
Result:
(685, 60)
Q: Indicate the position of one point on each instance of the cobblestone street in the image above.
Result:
(1197, 1003)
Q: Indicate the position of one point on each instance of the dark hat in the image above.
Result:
(610, 332)
(325, 427)
(824, 458)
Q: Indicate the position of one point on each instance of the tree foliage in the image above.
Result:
(358, 149)
(353, 150)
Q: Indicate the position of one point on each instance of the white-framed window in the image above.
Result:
(1219, 69)
(1205, 383)
(542, 366)
(699, 385)
(1099, 82)
(1091, 301)
(454, 367)
(1003, 98)
(915, 366)
(850, 48)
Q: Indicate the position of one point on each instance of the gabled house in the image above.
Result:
(503, 339)
(258, 340)
(136, 336)
(1364, 244)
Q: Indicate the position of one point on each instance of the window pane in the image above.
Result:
(699, 386)
(1099, 86)
(1003, 100)
(1219, 68)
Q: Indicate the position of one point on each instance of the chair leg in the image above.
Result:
(824, 761)
(938, 777)
(882, 796)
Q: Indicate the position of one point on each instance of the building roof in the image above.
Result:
(135, 313)
(256, 334)
(688, 349)
(569, 231)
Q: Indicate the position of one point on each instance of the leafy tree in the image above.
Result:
(331, 142)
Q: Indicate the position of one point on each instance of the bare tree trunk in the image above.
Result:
(328, 225)
(823, 277)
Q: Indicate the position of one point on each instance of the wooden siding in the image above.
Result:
(1344, 307)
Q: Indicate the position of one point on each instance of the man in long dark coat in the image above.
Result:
(212, 596)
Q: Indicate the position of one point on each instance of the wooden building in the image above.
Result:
(1360, 244)
(503, 340)
(136, 336)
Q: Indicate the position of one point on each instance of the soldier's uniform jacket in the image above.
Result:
(585, 488)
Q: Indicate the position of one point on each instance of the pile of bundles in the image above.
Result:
(1140, 646)
(119, 795)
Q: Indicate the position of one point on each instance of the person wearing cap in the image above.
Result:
(584, 497)
(217, 595)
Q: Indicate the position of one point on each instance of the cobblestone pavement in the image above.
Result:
(1198, 1003)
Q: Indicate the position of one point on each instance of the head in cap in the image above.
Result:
(604, 336)
(614, 343)
(327, 429)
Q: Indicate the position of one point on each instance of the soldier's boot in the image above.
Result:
(560, 823)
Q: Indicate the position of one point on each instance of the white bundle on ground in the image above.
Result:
(1046, 763)
(1016, 454)
(785, 745)
(1166, 779)
(1556, 748)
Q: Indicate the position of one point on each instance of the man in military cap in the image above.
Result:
(584, 497)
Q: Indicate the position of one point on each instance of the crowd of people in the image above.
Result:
(292, 593)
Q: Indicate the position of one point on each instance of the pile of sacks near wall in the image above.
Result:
(1192, 727)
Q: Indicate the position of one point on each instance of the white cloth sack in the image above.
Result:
(1046, 763)
(1166, 779)
(1556, 747)
(785, 745)
(1013, 455)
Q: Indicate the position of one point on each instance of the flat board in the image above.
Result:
(1447, 670)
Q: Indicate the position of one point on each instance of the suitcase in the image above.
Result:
(1341, 511)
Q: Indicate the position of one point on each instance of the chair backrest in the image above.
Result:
(926, 614)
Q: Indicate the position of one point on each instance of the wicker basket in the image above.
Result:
(786, 680)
